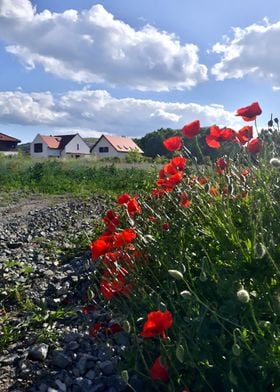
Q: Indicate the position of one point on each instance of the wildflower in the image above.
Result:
(98, 248)
(133, 207)
(94, 329)
(249, 113)
(254, 146)
(176, 274)
(192, 129)
(185, 201)
(156, 324)
(178, 163)
(245, 134)
(126, 236)
(159, 371)
(165, 226)
(124, 198)
(217, 135)
(221, 165)
(243, 296)
(173, 143)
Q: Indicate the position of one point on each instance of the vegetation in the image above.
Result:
(81, 177)
(194, 268)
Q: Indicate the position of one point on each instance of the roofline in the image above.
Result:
(125, 152)
(14, 138)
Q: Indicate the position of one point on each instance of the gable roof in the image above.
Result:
(120, 143)
(57, 142)
(6, 138)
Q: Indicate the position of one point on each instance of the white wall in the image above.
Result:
(71, 147)
(44, 153)
(111, 152)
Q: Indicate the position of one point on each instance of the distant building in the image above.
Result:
(59, 146)
(114, 146)
(8, 144)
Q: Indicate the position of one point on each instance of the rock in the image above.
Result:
(106, 367)
(61, 360)
(38, 352)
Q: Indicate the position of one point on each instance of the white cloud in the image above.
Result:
(252, 51)
(92, 46)
(93, 111)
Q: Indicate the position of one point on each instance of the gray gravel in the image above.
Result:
(42, 268)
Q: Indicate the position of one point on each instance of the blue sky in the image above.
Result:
(130, 67)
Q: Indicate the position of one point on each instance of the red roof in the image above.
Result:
(57, 142)
(122, 143)
(6, 138)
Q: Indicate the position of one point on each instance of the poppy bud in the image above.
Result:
(176, 274)
(124, 375)
(243, 296)
(162, 307)
(260, 250)
(180, 351)
(275, 162)
(276, 120)
(203, 276)
(126, 326)
(186, 294)
(236, 350)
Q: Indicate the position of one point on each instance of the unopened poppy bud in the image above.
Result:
(259, 250)
(125, 376)
(180, 352)
(276, 120)
(236, 350)
(126, 326)
(186, 294)
(203, 276)
(176, 274)
(243, 296)
(275, 162)
(162, 307)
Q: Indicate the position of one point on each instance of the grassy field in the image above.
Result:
(78, 177)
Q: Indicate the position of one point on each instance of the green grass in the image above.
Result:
(78, 177)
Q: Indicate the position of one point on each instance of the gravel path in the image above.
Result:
(50, 341)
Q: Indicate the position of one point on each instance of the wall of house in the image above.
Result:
(9, 153)
(72, 147)
(111, 151)
(44, 153)
(47, 152)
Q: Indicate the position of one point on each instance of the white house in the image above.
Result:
(59, 146)
(114, 146)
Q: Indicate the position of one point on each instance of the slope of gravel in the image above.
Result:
(56, 343)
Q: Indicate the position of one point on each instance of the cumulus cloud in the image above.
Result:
(92, 46)
(93, 111)
(252, 51)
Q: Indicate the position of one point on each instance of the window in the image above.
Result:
(78, 147)
(103, 149)
(38, 147)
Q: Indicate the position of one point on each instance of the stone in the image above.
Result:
(38, 352)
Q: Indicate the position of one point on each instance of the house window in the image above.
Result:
(78, 147)
(103, 149)
(38, 147)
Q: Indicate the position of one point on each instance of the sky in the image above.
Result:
(129, 67)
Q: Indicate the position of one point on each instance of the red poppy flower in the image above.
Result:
(124, 237)
(221, 164)
(124, 198)
(94, 329)
(165, 226)
(133, 207)
(169, 169)
(249, 113)
(156, 324)
(173, 143)
(178, 162)
(176, 178)
(212, 141)
(217, 135)
(87, 309)
(254, 146)
(159, 371)
(192, 129)
(213, 191)
(245, 134)
(185, 201)
(98, 248)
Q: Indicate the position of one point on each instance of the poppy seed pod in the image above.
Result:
(176, 274)
(260, 250)
(243, 296)
(275, 162)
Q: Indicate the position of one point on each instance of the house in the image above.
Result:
(8, 144)
(59, 146)
(114, 146)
